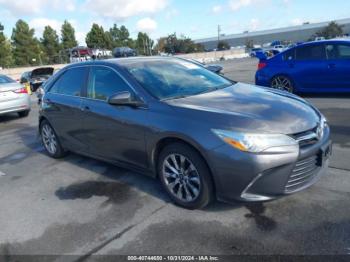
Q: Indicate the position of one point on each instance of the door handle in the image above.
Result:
(331, 65)
(291, 65)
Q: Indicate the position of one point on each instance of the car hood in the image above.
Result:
(244, 107)
(43, 71)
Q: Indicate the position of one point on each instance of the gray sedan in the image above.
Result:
(205, 137)
(13, 97)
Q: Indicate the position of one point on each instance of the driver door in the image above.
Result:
(114, 133)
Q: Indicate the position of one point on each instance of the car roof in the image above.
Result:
(119, 62)
(335, 40)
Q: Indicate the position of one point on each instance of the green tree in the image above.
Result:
(26, 48)
(249, 43)
(114, 34)
(98, 38)
(173, 45)
(223, 45)
(144, 44)
(50, 45)
(124, 35)
(331, 31)
(5, 49)
(68, 36)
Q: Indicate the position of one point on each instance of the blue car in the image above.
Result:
(313, 67)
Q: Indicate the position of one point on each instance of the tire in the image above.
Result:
(282, 83)
(24, 113)
(49, 136)
(195, 185)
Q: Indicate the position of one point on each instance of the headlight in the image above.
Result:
(256, 143)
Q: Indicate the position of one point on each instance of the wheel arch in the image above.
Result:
(289, 76)
(167, 140)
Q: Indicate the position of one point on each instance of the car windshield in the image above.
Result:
(172, 78)
(5, 80)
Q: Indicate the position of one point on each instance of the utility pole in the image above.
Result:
(219, 32)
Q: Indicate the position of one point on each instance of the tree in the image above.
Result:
(223, 45)
(249, 43)
(50, 45)
(114, 33)
(173, 45)
(26, 48)
(331, 31)
(144, 44)
(68, 36)
(5, 49)
(98, 38)
(124, 35)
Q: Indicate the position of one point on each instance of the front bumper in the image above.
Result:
(262, 177)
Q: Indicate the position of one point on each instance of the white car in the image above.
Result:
(279, 48)
(13, 97)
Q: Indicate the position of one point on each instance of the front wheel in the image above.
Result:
(185, 176)
(282, 83)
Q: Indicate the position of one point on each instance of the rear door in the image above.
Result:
(62, 105)
(339, 66)
(115, 133)
(310, 67)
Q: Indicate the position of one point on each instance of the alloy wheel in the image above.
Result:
(49, 139)
(282, 83)
(181, 177)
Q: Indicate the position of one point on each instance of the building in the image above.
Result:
(294, 34)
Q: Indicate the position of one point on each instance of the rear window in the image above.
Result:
(311, 52)
(6, 80)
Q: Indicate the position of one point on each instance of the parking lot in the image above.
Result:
(85, 207)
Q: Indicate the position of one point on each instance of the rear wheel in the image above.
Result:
(24, 113)
(51, 141)
(185, 176)
(282, 83)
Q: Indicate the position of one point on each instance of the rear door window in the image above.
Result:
(311, 52)
(71, 82)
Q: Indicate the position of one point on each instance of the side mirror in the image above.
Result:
(124, 98)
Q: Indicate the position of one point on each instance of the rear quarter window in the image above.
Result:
(311, 52)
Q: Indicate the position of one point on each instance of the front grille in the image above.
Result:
(303, 173)
(307, 138)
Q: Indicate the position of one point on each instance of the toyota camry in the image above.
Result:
(205, 137)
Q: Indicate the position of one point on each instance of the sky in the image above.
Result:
(192, 18)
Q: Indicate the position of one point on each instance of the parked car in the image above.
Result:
(313, 67)
(203, 136)
(124, 52)
(14, 97)
(36, 77)
(279, 48)
(254, 51)
(212, 67)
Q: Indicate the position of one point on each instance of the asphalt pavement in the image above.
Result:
(84, 207)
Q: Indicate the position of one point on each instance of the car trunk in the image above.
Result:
(7, 91)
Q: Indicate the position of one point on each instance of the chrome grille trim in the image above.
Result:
(303, 173)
